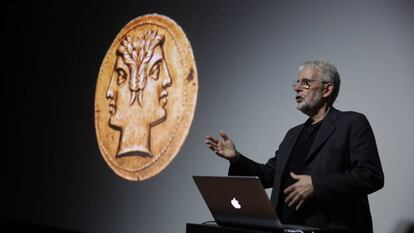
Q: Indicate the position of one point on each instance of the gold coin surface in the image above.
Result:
(145, 97)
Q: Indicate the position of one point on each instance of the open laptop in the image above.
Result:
(241, 201)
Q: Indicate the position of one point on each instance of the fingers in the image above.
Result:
(295, 199)
(294, 196)
(289, 189)
(294, 176)
(221, 148)
(211, 139)
(290, 197)
(216, 151)
(298, 198)
(216, 141)
(300, 204)
(213, 148)
(224, 135)
(290, 192)
(211, 143)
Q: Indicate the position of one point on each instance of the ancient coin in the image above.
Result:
(145, 97)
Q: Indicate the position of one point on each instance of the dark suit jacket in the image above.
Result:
(343, 163)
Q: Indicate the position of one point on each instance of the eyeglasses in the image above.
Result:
(305, 83)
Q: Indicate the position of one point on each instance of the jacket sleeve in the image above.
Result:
(365, 175)
(243, 166)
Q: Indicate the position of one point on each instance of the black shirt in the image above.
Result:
(296, 164)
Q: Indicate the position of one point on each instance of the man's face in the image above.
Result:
(154, 98)
(309, 100)
(158, 80)
(118, 94)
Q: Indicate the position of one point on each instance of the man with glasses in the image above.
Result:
(324, 168)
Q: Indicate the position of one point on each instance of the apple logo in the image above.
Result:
(235, 203)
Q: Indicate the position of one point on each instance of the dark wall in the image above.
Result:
(247, 53)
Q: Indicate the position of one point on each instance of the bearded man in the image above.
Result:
(325, 168)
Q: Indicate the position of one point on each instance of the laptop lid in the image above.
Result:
(235, 201)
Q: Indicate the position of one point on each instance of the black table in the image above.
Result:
(214, 228)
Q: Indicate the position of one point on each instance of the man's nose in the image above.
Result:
(167, 81)
(297, 87)
(109, 94)
(110, 91)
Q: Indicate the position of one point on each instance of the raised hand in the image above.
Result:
(225, 148)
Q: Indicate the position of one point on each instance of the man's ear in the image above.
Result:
(328, 90)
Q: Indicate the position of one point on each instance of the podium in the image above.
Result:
(214, 228)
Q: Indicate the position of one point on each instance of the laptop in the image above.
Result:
(241, 201)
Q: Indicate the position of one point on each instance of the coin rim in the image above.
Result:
(188, 108)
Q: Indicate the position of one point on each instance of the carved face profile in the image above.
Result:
(137, 92)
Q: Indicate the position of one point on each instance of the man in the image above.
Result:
(324, 168)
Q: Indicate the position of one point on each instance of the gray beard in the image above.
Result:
(310, 107)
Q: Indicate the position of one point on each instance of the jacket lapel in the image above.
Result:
(295, 137)
(284, 159)
(282, 164)
(325, 131)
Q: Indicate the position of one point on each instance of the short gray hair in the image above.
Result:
(328, 73)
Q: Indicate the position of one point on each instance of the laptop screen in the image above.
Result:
(235, 200)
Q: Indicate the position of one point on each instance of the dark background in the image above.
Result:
(247, 52)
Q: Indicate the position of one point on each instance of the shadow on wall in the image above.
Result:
(17, 226)
(404, 227)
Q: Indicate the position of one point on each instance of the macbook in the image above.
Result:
(241, 201)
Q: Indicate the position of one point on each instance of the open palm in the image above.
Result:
(225, 148)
